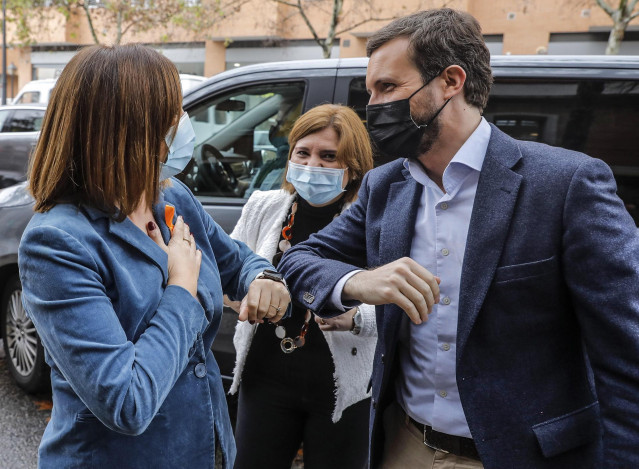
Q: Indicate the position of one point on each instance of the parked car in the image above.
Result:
(590, 104)
(19, 127)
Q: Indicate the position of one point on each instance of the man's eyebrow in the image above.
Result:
(377, 82)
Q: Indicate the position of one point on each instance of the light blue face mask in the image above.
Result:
(180, 149)
(314, 184)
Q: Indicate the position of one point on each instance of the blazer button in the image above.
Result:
(374, 404)
(383, 358)
(200, 370)
(354, 351)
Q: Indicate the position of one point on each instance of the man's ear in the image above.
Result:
(454, 78)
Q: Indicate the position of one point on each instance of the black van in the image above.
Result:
(241, 118)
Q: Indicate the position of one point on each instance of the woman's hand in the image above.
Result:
(343, 322)
(184, 258)
(266, 299)
(234, 305)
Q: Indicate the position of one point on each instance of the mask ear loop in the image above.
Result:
(430, 121)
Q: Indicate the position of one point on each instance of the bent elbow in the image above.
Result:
(131, 427)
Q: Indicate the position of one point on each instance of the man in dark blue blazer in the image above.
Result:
(506, 274)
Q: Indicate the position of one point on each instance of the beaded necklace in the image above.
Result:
(287, 344)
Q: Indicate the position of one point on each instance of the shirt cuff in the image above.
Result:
(336, 296)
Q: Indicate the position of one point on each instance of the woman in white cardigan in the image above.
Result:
(305, 380)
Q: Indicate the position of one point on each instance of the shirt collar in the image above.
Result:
(469, 157)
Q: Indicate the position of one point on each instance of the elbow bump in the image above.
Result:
(133, 428)
(131, 425)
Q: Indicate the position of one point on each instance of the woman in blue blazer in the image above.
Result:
(123, 272)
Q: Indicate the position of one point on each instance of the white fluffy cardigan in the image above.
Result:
(259, 228)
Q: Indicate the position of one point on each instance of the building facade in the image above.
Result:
(255, 31)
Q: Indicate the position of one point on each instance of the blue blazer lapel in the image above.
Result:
(495, 200)
(132, 235)
(398, 221)
(396, 233)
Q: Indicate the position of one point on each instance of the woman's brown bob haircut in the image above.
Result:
(353, 150)
(103, 133)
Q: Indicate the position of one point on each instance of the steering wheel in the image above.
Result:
(213, 172)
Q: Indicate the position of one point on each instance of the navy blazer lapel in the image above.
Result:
(398, 221)
(495, 200)
(396, 233)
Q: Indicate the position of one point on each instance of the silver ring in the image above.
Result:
(322, 322)
(277, 308)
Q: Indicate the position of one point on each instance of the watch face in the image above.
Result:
(358, 318)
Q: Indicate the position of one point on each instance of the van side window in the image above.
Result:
(358, 97)
(29, 97)
(595, 117)
(241, 139)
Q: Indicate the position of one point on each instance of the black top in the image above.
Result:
(311, 362)
(309, 219)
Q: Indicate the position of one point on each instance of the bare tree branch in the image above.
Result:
(338, 24)
(605, 7)
(308, 22)
(294, 5)
(359, 23)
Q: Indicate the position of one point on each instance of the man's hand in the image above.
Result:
(265, 299)
(343, 322)
(403, 282)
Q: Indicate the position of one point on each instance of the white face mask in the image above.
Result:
(180, 149)
(314, 184)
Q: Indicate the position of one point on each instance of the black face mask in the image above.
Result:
(393, 129)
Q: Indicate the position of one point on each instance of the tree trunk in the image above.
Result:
(326, 49)
(616, 34)
(87, 11)
(118, 35)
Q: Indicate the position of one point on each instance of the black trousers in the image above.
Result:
(286, 400)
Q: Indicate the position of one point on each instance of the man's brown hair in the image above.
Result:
(438, 39)
(103, 133)
(353, 149)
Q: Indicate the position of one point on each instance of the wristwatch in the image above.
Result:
(272, 275)
(357, 323)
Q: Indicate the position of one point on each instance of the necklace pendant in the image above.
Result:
(285, 245)
(287, 345)
(299, 341)
(280, 332)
